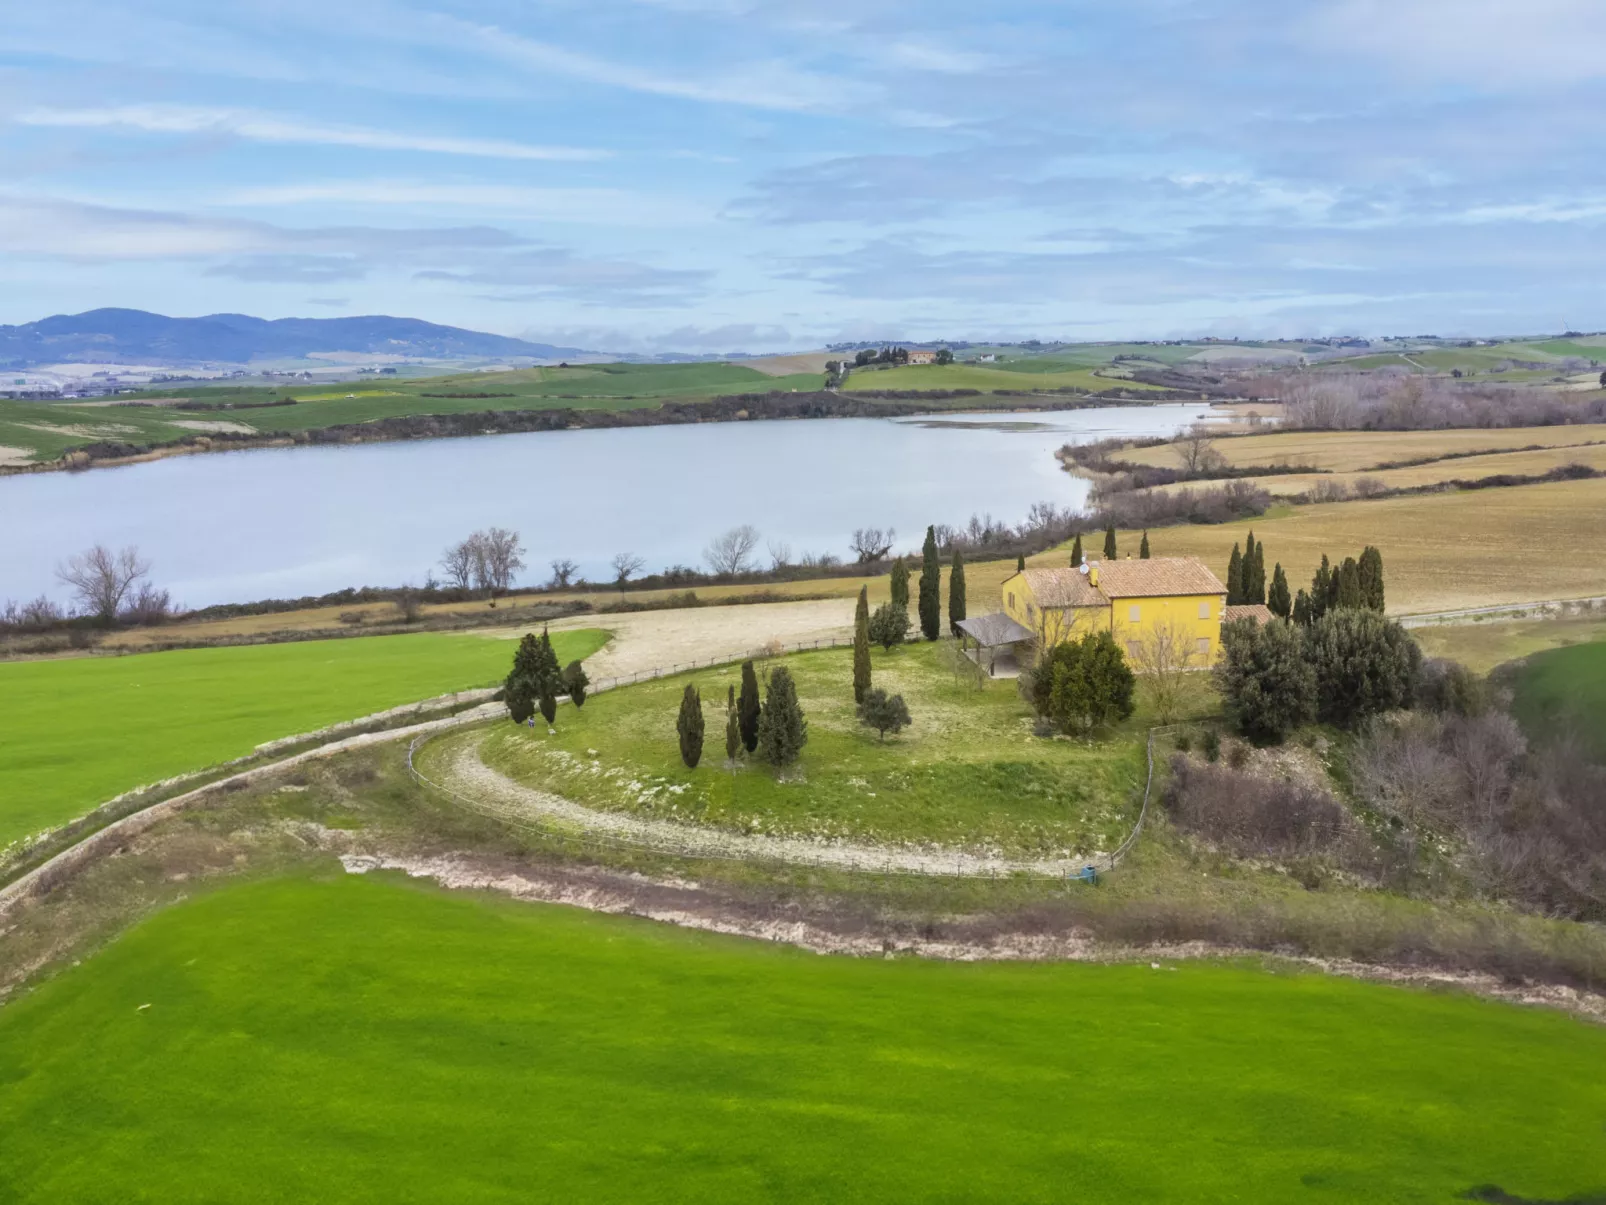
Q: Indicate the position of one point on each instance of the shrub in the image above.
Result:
(889, 625)
(1084, 684)
(884, 713)
(1267, 686)
(1250, 815)
(575, 681)
(1448, 687)
(689, 726)
(1364, 665)
(748, 707)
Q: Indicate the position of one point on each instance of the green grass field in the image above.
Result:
(986, 377)
(1563, 689)
(968, 771)
(81, 730)
(379, 1041)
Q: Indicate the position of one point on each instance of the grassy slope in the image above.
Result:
(1565, 688)
(984, 377)
(79, 731)
(1483, 645)
(1440, 551)
(377, 1041)
(967, 771)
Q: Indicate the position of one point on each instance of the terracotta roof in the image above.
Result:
(1062, 588)
(991, 631)
(1163, 575)
(1259, 612)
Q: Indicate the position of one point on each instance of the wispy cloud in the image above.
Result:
(589, 206)
(267, 127)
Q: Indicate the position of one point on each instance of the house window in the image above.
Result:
(1204, 610)
(1204, 645)
(1133, 613)
(1012, 601)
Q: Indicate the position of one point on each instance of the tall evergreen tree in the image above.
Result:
(1302, 610)
(956, 592)
(861, 646)
(900, 583)
(1249, 564)
(1321, 590)
(689, 726)
(748, 707)
(1371, 569)
(575, 681)
(1235, 578)
(1076, 552)
(522, 686)
(1277, 597)
(1349, 584)
(1109, 543)
(1143, 548)
(782, 731)
(1020, 563)
(549, 678)
(1255, 576)
(930, 588)
(733, 727)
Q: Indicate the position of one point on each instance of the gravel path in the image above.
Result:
(470, 780)
(646, 640)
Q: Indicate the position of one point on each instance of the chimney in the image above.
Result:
(1093, 575)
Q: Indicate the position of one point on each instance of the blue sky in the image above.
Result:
(710, 175)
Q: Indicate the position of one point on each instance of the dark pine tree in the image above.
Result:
(1109, 543)
(1255, 576)
(861, 646)
(900, 583)
(956, 592)
(575, 682)
(1020, 564)
(1249, 564)
(733, 727)
(1143, 548)
(782, 731)
(522, 687)
(930, 588)
(1076, 552)
(1302, 609)
(689, 726)
(748, 707)
(1235, 578)
(1349, 585)
(1321, 590)
(1277, 597)
(1371, 569)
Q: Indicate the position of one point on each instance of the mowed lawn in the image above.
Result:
(967, 772)
(1564, 690)
(77, 731)
(378, 1041)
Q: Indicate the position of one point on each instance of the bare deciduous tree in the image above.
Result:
(501, 556)
(780, 554)
(1163, 656)
(625, 566)
(101, 579)
(872, 544)
(733, 551)
(1197, 450)
(458, 562)
(563, 572)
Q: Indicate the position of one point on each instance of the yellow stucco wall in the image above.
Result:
(1197, 617)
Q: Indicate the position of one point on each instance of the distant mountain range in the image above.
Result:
(113, 336)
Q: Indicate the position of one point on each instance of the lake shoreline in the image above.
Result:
(755, 407)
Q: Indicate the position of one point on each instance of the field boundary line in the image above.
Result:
(42, 877)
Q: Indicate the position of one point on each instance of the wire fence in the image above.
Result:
(773, 649)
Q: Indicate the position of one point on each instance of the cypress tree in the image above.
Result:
(1321, 588)
(575, 682)
(1371, 570)
(1349, 584)
(1333, 585)
(1277, 597)
(733, 727)
(930, 588)
(747, 707)
(956, 592)
(1020, 564)
(1109, 542)
(549, 705)
(689, 726)
(1255, 576)
(1249, 563)
(522, 686)
(549, 678)
(900, 584)
(1302, 611)
(1143, 548)
(1235, 578)
(1076, 552)
(782, 731)
(861, 646)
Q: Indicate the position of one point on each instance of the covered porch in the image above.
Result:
(994, 642)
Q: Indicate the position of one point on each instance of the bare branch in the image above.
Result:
(733, 551)
(101, 579)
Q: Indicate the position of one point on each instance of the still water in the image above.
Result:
(286, 522)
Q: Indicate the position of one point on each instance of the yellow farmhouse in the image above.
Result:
(1129, 599)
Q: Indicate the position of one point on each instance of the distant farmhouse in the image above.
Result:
(1132, 600)
(922, 357)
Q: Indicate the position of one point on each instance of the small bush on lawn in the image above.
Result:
(885, 713)
(889, 625)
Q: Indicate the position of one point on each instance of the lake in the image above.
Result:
(287, 522)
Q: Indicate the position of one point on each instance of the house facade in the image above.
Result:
(1131, 600)
(922, 357)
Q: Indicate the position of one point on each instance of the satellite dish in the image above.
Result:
(1082, 568)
